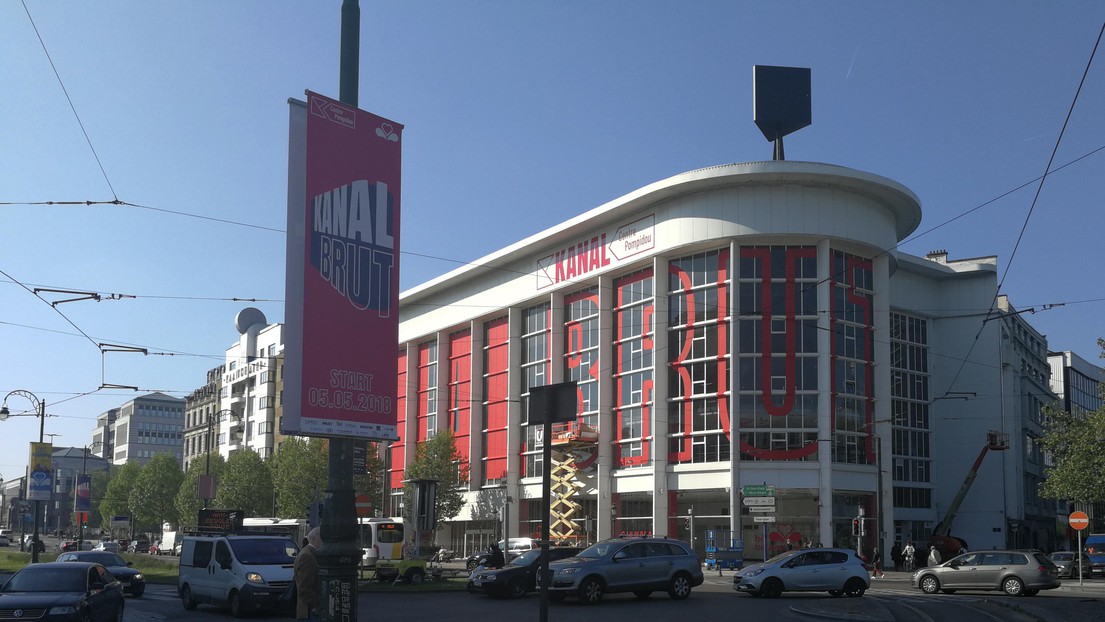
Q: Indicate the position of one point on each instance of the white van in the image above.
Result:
(244, 573)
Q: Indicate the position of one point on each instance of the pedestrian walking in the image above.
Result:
(876, 561)
(305, 571)
(934, 557)
(896, 556)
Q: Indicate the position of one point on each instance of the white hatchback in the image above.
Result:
(836, 571)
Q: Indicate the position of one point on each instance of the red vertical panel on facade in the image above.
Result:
(723, 341)
(684, 409)
(460, 389)
(620, 367)
(497, 367)
(424, 362)
(398, 448)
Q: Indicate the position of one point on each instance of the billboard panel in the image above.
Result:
(82, 500)
(342, 292)
(41, 481)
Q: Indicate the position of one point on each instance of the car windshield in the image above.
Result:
(273, 551)
(1062, 556)
(599, 550)
(526, 559)
(781, 557)
(107, 559)
(48, 579)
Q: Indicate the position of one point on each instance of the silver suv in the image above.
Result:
(1017, 573)
(637, 565)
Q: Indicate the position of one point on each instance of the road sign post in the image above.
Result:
(1079, 521)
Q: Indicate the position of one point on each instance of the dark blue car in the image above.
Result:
(133, 582)
(63, 591)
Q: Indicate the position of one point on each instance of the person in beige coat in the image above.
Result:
(306, 578)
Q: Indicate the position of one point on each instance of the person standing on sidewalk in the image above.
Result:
(306, 578)
(876, 562)
(896, 556)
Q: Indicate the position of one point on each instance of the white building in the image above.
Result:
(140, 428)
(740, 326)
(250, 387)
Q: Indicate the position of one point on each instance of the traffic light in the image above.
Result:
(857, 525)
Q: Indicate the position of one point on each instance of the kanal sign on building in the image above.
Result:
(341, 329)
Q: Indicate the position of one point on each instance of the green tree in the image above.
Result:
(116, 500)
(1078, 464)
(371, 481)
(153, 495)
(97, 492)
(187, 505)
(298, 473)
(246, 484)
(438, 458)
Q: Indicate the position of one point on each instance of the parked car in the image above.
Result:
(88, 590)
(836, 571)
(637, 565)
(518, 576)
(133, 582)
(1068, 567)
(138, 546)
(1017, 573)
(4, 541)
(107, 545)
(511, 549)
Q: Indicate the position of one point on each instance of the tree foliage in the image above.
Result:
(116, 500)
(187, 505)
(97, 492)
(371, 481)
(1078, 463)
(154, 491)
(438, 458)
(298, 475)
(246, 484)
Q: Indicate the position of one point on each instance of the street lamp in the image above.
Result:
(40, 406)
(212, 419)
(82, 514)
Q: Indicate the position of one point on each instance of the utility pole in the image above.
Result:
(340, 554)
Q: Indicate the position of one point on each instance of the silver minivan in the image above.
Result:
(244, 573)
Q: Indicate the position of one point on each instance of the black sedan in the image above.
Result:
(133, 582)
(518, 576)
(62, 591)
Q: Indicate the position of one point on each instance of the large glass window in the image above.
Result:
(777, 353)
(535, 367)
(581, 352)
(698, 329)
(909, 401)
(633, 365)
(852, 325)
(427, 390)
(496, 364)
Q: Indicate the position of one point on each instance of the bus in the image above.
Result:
(383, 539)
(294, 528)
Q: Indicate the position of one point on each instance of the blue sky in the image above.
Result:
(518, 115)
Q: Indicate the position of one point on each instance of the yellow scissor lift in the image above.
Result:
(572, 445)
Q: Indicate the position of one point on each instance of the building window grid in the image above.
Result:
(495, 368)
(698, 428)
(634, 365)
(852, 331)
(791, 272)
(535, 365)
(910, 445)
(581, 352)
(427, 388)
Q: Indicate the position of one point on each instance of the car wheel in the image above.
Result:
(186, 598)
(854, 587)
(415, 576)
(471, 565)
(590, 591)
(1031, 592)
(516, 588)
(236, 605)
(680, 586)
(642, 594)
(836, 593)
(930, 584)
(1012, 586)
(772, 588)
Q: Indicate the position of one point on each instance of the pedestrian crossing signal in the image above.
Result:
(857, 526)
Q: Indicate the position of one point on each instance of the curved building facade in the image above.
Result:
(751, 354)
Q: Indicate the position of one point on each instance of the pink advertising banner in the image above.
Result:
(342, 299)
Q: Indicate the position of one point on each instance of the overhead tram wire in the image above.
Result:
(70, 100)
(1035, 199)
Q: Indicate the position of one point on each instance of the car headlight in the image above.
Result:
(138, 577)
(253, 577)
(63, 611)
(488, 577)
(752, 573)
(568, 571)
